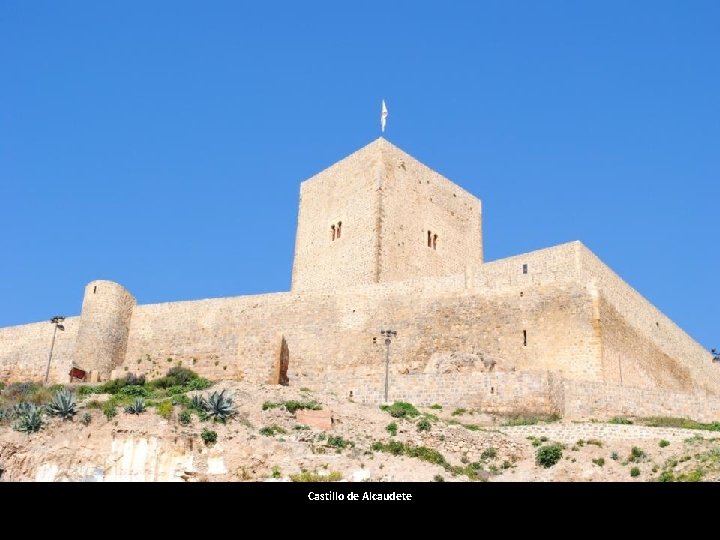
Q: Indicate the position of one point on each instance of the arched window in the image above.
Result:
(332, 233)
(339, 229)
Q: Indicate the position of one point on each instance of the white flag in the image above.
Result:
(383, 116)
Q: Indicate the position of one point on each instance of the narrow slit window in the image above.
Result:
(429, 239)
(339, 229)
(94, 289)
(524, 268)
(524, 338)
(332, 233)
(435, 237)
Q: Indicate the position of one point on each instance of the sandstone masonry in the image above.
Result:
(385, 242)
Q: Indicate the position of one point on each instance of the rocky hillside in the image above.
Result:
(282, 433)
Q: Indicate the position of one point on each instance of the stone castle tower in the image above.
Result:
(380, 215)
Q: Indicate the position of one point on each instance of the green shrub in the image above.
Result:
(63, 405)
(21, 391)
(423, 424)
(136, 407)
(165, 409)
(109, 410)
(132, 379)
(619, 420)
(634, 472)
(271, 431)
(436, 406)
(459, 412)
(306, 476)
(276, 472)
(614, 456)
(94, 404)
(669, 421)
(438, 478)
(423, 453)
(185, 417)
(112, 387)
(133, 390)
(489, 453)
(86, 419)
(693, 476)
(599, 461)
(392, 428)
(338, 442)
(594, 442)
(525, 420)
(666, 476)
(637, 455)
(664, 443)
(401, 409)
(548, 455)
(87, 390)
(198, 384)
(292, 406)
(208, 436)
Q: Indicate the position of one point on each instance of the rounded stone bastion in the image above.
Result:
(104, 327)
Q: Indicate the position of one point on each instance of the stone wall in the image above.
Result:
(571, 433)
(529, 392)
(329, 335)
(588, 400)
(24, 351)
(640, 341)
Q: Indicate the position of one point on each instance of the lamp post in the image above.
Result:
(56, 321)
(388, 335)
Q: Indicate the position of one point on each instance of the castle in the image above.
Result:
(383, 242)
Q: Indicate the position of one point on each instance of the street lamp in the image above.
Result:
(388, 335)
(56, 321)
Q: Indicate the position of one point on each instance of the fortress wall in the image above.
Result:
(227, 338)
(544, 266)
(24, 351)
(531, 392)
(649, 348)
(587, 400)
(330, 335)
(415, 200)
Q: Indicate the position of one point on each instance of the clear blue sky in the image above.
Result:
(161, 144)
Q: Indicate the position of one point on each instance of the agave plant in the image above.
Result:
(63, 404)
(199, 403)
(21, 408)
(220, 407)
(136, 407)
(29, 420)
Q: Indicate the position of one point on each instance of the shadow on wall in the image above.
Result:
(282, 362)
